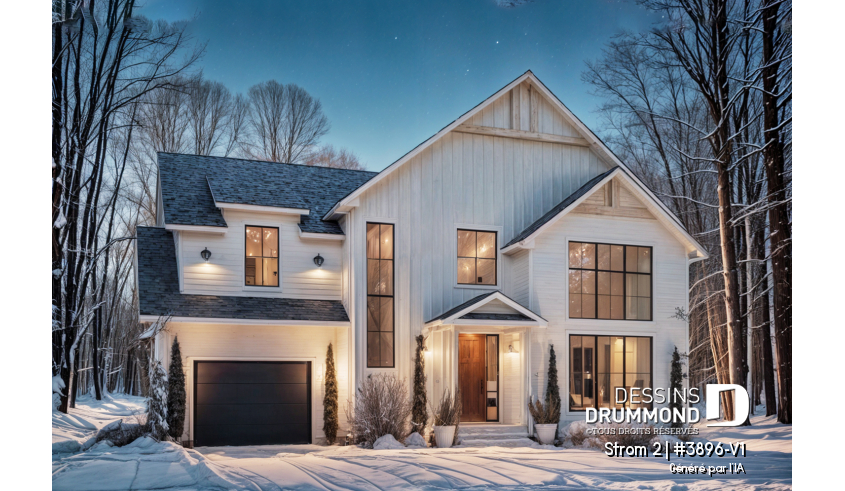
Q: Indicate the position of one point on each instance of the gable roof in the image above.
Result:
(595, 143)
(192, 186)
(582, 191)
(159, 296)
(467, 311)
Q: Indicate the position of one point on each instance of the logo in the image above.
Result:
(714, 403)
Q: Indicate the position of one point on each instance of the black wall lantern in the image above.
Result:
(318, 260)
(206, 254)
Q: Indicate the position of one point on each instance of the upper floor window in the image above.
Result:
(380, 317)
(476, 257)
(609, 281)
(262, 256)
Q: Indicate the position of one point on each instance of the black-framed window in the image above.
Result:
(261, 264)
(600, 364)
(380, 309)
(477, 259)
(610, 281)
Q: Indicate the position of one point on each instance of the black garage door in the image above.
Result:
(252, 402)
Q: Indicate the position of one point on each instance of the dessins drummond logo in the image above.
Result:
(639, 397)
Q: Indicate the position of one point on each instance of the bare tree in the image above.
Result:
(328, 156)
(285, 122)
(104, 59)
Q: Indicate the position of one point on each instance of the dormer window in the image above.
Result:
(261, 267)
(476, 257)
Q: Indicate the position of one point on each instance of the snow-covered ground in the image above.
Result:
(149, 465)
(72, 430)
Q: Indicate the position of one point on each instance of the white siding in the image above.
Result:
(219, 341)
(550, 293)
(519, 284)
(224, 273)
(461, 180)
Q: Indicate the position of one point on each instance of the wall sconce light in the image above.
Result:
(206, 254)
(318, 260)
(513, 349)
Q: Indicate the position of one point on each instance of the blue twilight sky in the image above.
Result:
(392, 73)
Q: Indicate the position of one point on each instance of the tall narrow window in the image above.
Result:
(476, 257)
(261, 267)
(380, 332)
(609, 281)
(601, 364)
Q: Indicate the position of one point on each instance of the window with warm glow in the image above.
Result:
(609, 281)
(598, 365)
(476, 257)
(262, 256)
(379, 295)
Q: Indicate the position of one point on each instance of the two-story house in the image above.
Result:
(511, 229)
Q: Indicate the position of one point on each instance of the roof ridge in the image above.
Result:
(268, 162)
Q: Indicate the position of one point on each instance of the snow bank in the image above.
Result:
(145, 464)
(78, 429)
(387, 442)
(415, 440)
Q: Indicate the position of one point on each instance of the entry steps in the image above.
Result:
(494, 435)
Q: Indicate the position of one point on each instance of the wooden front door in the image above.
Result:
(471, 350)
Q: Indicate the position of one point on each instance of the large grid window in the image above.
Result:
(598, 365)
(609, 281)
(476, 257)
(261, 266)
(380, 317)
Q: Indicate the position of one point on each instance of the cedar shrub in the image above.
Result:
(419, 414)
(176, 395)
(330, 418)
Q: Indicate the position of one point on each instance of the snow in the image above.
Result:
(387, 442)
(146, 464)
(76, 429)
(415, 440)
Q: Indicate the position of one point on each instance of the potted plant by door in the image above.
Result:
(447, 419)
(546, 418)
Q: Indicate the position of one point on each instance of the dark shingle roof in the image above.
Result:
(188, 181)
(480, 315)
(158, 291)
(559, 208)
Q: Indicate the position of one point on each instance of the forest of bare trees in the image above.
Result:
(700, 107)
(125, 88)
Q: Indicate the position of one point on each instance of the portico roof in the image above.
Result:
(493, 308)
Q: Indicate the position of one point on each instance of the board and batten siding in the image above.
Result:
(224, 273)
(550, 295)
(519, 280)
(264, 342)
(462, 180)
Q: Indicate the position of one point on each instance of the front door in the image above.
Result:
(478, 373)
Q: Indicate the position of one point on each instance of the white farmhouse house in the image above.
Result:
(512, 229)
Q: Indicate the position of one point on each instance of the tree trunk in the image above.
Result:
(781, 245)
(765, 328)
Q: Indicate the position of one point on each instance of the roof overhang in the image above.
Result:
(317, 236)
(652, 203)
(454, 319)
(205, 229)
(262, 209)
(245, 322)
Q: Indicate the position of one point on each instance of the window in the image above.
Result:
(379, 295)
(262, 256)
(600, 364)
(609, 281)
(476, 257)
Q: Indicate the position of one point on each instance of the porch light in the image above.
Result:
(206, 254)
(512, 349)
(318, 260)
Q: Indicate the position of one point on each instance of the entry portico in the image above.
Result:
(481, 348)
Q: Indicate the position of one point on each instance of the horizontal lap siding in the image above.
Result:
(224, 273)
(550, 293)
(269, 342)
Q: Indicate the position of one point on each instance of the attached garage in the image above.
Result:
(252, 402)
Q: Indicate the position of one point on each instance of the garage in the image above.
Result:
(252, 402)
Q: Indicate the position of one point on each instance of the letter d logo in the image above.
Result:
(714, 402)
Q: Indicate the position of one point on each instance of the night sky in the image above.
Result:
(392, 73)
